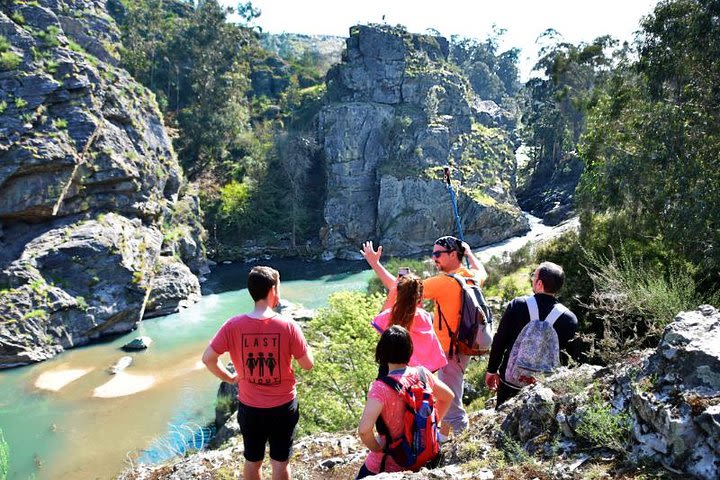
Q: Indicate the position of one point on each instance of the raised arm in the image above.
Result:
(475, 263)
(373, 259)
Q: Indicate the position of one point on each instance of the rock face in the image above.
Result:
(396, 115)
(670, 397)
(89, 187)
(550, 191)
(678, 418)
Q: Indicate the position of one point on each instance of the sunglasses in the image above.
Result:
(440, 252)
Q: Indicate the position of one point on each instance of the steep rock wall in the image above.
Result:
(397, 113)
(90, 188)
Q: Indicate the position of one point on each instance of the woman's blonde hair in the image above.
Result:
(409, 294)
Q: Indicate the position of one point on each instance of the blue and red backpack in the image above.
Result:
(418, 444)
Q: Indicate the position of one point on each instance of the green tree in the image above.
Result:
(343, 342)
(493, 75)
(653, 142)
(555, 105)
(296, 157)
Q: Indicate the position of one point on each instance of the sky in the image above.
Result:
(576, 20)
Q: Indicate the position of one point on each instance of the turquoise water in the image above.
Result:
(72, 434)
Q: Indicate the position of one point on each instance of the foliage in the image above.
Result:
(50, 36)
(634, 301)
(499, 267)
(566, 250)
(555, 106)
(4, 44)
(601, 427)
(195, 62)
(4, 457)
(343, 342)
(9, 60)
(652, 143)
(508, 275)
(476, 394)
(296, 164)
(493, 75)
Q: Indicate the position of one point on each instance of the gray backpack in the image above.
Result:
(536, 350)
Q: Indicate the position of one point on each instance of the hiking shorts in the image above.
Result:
(275, 425)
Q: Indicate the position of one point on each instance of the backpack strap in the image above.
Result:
(558, 310)
(451, 334)
(392, 383)
(532, 307)
(421, 374)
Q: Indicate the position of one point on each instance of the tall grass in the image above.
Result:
(635, 301)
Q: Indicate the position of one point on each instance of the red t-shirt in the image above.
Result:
(262, 351)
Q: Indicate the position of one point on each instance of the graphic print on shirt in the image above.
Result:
(261, 353)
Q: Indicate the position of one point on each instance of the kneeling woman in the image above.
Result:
(394, 350)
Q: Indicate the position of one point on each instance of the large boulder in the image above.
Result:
(678, 418)
(173, 287)
(395, 116)
(89, 186)
(75, 284)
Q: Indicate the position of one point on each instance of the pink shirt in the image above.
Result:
(392, 412)
(427, 350)
(261, 351)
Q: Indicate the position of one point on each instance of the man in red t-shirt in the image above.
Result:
(262, 345)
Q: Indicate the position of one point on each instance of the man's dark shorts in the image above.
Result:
(275, 425)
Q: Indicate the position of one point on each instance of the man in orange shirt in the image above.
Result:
(448, 254)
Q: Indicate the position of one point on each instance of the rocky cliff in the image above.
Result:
(655, 415)
(96, 226)
(397, 113)
(549, 192)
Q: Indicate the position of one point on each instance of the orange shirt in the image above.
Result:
(445, 291)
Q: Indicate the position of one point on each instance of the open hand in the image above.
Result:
(370, 254)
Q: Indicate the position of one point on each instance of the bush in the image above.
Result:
(9, 60)
(567, 252)
(601, 427)
(333, 393)
(634, 302)
(500, 267)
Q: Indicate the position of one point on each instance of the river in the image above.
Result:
(71, 433)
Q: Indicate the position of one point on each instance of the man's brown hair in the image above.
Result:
(261, 280)
(552, 277)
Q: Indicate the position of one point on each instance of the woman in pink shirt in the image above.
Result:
(407, 312)
(394, 350)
